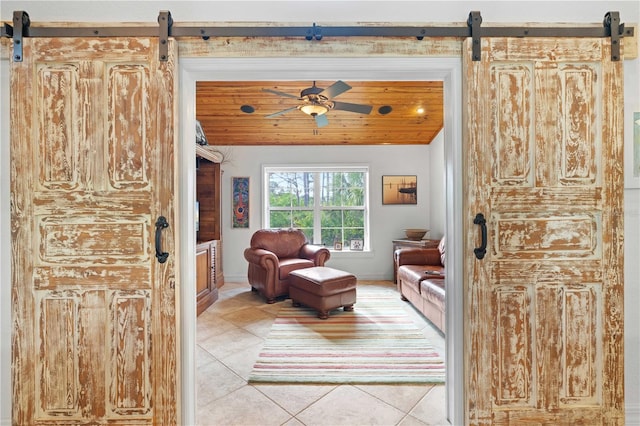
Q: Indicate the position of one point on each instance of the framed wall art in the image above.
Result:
(356, 245)
(240, 202)
(401, 189)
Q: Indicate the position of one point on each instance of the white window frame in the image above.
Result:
(315, 168)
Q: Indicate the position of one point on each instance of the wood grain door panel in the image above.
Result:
(92, 147)
(544, 161)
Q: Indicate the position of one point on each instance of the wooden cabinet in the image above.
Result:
(216, 262)
(209, 276)
(208, 178)
(206, 286)
(406, 243)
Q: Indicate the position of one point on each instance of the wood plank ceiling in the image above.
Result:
(220, 105)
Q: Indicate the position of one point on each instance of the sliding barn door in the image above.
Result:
(92, 170)
(543, 153)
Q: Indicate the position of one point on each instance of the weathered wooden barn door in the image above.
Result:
(92, 170)
(544, 338)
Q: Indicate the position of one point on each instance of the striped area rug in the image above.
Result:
(377, 342)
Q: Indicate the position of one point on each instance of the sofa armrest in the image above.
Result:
(417, 256)
(262, 257)
(318, 254)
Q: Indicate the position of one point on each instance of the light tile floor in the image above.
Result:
(229, 336)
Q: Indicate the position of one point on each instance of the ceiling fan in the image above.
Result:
(316, 102)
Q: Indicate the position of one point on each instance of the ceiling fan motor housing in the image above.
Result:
(313, 90)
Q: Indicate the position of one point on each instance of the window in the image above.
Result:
(329, 204)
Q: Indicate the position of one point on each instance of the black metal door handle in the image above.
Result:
(161, 223)
(482, 250)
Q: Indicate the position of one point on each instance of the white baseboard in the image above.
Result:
(632, 414)
(235, 278)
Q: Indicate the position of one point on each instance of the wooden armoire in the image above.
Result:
(209, 277)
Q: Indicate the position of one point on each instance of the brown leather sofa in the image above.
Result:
(274, 253)
(421, 281)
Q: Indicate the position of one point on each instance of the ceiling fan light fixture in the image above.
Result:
(314, 109)
(316, 102)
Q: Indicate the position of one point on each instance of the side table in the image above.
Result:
(406, 243)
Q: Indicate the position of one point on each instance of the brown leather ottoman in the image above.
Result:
(322, 289)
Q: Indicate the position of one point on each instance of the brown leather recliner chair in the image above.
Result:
(276, 252)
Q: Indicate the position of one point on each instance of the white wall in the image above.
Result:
(436, 203)
(308, 11)
(5, 250)
(387, 221)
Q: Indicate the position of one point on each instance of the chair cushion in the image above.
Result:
(433, 290)
(291, 264)
(413, 274)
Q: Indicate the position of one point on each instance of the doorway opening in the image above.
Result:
(447, 70)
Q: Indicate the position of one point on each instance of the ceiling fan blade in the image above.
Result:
(346, 106)
(335, 89)
(277, 92)
(321, 120)
(284, 111)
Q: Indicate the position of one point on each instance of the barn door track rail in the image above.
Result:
(21, 28)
